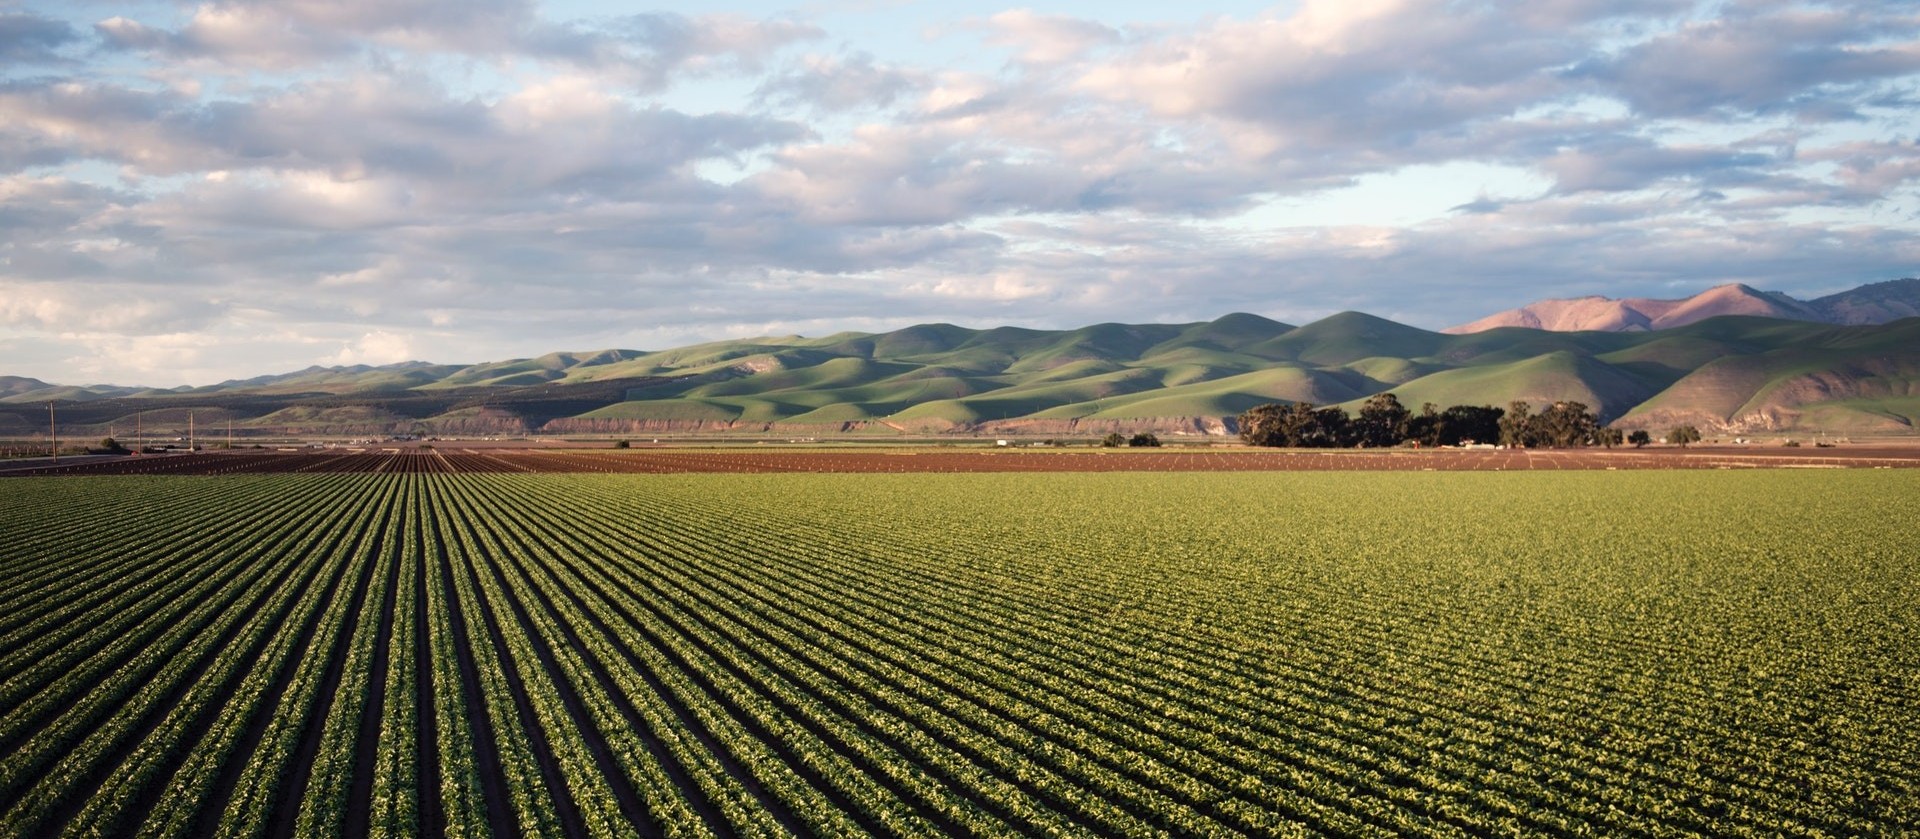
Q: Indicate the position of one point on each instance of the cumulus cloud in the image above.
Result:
(1626, 163)
(645, 51)
(1872, 171)
(252, 37)
(173, 358)
(36, 208)
(1764, 57)
(352, 182)
(28, 38)
(49, 121)
(104, 308)
(650, 52)
(829, 84)
(282, 35)
(1353, 72)
(375, 348)
(556, 137)
(1047, 39)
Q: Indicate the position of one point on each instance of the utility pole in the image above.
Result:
(189, 432)
(229, 433)
(53, 438)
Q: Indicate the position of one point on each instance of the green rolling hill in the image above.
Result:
(1558, 376)
(1727, 374)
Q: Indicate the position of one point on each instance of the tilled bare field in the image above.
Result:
(681, 461)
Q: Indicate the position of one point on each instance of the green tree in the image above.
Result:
(1564, 425)
(1144, 440)
(1328, 428)
(1424, 427)
(1516, 428)
(1115, 440)
(622, 444)
(1382, 422)
(1639, 438)
(1608, 437)
(1260, 425)
(1276, 424)
(1683, 435)
(1462, 424)
(1299, 425)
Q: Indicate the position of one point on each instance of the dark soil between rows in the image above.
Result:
(680, 461)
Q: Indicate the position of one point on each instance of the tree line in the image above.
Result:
(1383, 422)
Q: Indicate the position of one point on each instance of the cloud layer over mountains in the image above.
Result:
(195, 191)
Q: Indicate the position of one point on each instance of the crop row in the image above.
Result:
(425, 653)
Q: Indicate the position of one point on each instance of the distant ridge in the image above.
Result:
(1869, 304)
(1727, 374)
(1873, 303)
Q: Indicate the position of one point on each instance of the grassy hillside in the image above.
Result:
(1801, 377)
(1713, 370)
(1729, 373)
(1557, 376)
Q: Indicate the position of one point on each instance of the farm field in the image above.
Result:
(473, 652)
(686, 460)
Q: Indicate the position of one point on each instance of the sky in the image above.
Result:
(193, 192)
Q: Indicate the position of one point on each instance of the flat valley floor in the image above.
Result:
(524, 457)
(419, 646)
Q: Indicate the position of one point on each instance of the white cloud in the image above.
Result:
(840, 83)
(122, 309)
(1048, 39)
(375, 348)
(28, 38)
(309, 181)
(1762, 57)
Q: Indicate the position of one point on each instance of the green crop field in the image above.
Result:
(1448, 654)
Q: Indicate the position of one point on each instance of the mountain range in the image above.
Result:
(1868, 304)
(1728, 374)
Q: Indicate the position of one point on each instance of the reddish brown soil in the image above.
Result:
(678, 461)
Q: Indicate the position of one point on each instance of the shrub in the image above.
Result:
(1683, 435)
